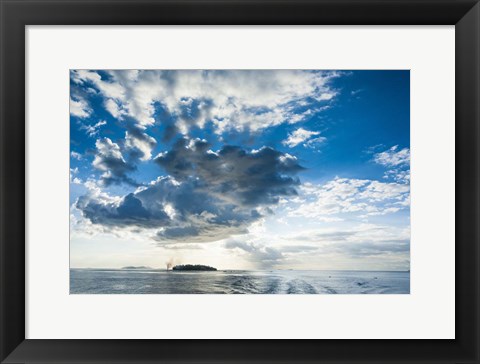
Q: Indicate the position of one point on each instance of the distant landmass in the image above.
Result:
(193, 267)
(136, 267)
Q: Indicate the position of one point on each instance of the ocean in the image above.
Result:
(153, 281)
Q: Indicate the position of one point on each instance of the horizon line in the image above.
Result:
(252, 270)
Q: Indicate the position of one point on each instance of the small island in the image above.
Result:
(193, 267)
(136, 267)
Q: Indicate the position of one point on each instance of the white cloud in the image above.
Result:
(92, 130)
(73, 179)
(106, 148)
(301, 135)
(314, 142)
(107, 88)
(398, 175)
(75, 155)
(113, 108)
(76, 180)
(393, 157)
(349, 196)
(80, 108)
(235, 100)
(398, 161)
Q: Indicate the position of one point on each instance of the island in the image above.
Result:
(136, 267)
(193, 267)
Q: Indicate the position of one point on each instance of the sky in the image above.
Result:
(240, 169)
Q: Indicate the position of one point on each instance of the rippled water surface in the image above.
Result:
(108, 281)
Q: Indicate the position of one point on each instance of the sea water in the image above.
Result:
(122, 281)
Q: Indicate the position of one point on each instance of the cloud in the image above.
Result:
(92, 130)
(398, 161)
(356, 241)
(230, 100)
(393, 157)
(356, 92)
(187, 212)
(207, 196)
(369, 240)
(73, 179)
(247, 178)
(369, 249)
(109, 159)
(75, 155)
(314, 142)
(349, 196)
(297, 249)
(360, 244)
(320, 235)
(139, 143)
(108, 88)
(129, 211)
(398, 175)
(300, 136)
(114, 109)
(260, 255)
(80, 108)
(182, 246)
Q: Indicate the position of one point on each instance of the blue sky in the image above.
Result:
(242, 169)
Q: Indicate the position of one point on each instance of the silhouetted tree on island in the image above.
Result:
(193, 267)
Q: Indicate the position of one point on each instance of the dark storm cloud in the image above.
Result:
(251, 178)
(129, 211)
(208, 196)
(199, 232)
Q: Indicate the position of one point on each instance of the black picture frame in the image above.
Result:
(16, 14)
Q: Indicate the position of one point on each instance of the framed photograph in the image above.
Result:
(241, 159)
(225, 181)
